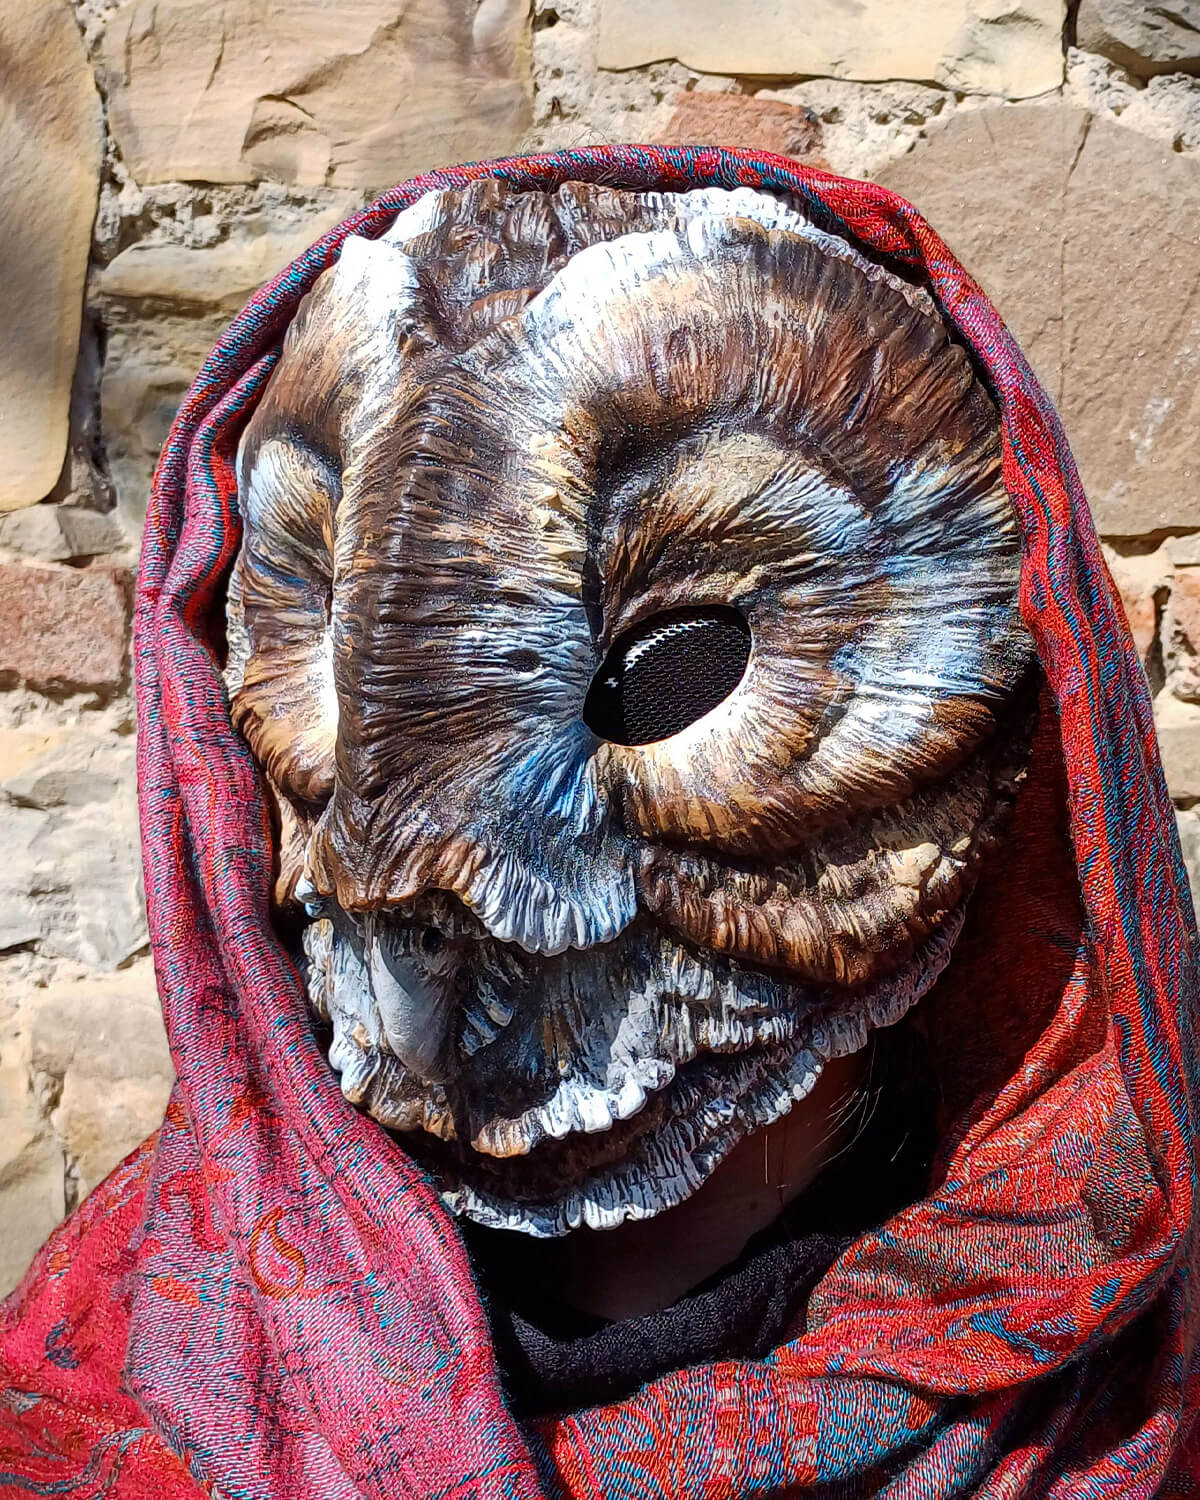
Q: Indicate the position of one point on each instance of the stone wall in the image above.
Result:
(159, 159)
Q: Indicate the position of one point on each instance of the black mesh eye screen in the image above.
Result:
(666, 673)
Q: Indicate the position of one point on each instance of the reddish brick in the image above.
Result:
(62, 628)
(702, 119)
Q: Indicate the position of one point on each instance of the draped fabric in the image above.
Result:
(268, 1301)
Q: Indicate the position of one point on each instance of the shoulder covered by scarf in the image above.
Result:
(268, 1300)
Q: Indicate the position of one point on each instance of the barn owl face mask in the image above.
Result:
(626, 625)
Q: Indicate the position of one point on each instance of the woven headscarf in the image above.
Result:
(268, 1300)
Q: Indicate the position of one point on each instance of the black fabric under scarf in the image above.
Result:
(554, 1358)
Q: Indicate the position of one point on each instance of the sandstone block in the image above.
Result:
(50, 153)
(218, 276)
(60, 533)
(62, 628)
(65, 767)
(32, 1166)
(1142, 580)
(710, 119)
(21, 747)
(1188, 824)
(1009, 48)
(1181, 636)
(1096, 284)
(32, 1192)
(357, 95)
(968, 176)
(164, 307)
(21, 919)
(101, 1042)
(70, 880)
(90, 896)
(1144, 36)
(864, 125)
(150, 365)
(1178, 727)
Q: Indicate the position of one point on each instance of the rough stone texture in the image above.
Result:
(101, 1042)
(1114, 211)
(1145, 37)
(706, 119)
(62, 628)
(863, 124)
(361, 93)
(19, 920)
(70, 880)
(1181, 636)
(966, 177)
(1178, 726)
(1008, 48)
(50, 133)
(59, 533)
(866, 125)
(32, 1162)
(84, 1077)
(1165, 108)
(1189, 837)
(164, 303)
(1130, 396)
(1144, 580)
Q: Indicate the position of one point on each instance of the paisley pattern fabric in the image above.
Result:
(268, 1300)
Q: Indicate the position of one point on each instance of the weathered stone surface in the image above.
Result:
(70, 880)
(22, 829)
(864, 125)
(1163, 108)
(1188, 824)
(969, 178)
(91, 891)
(101, 1044)
(164, 306)
(152, 360)
(358, 94)
(1181, 636)
(1097, 285)
(218, 276)
(1144, 36)
(50, 153)
(1143, 580)
(62, 628)
(60, 533)
(1008, 48)
(1178, 728)
(84, 1077)
(32, 1163)
(712, 119)
(1131, 399)
(64, 767)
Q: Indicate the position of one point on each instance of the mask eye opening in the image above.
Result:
(666, 672)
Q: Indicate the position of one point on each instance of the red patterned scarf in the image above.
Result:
(268, 1301)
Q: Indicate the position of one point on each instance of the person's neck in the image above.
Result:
(641, 1267)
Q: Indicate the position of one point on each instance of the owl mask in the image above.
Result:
(626, 625)
(269, 1298)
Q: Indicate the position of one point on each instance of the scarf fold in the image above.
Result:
(268, 1300)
